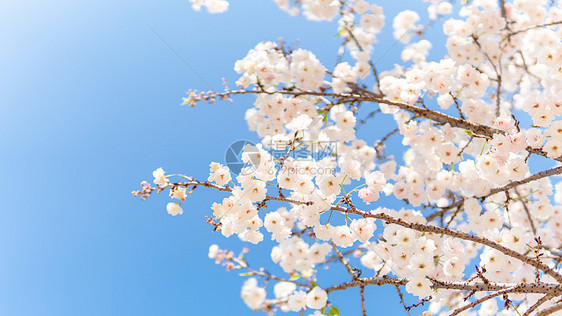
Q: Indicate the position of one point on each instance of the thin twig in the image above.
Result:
(541, 301)
(362, 293)
(550, 310)
(402, 298)
(482, 300)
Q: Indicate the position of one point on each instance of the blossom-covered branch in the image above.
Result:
(442, 207)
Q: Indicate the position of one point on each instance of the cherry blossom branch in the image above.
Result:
(546, 288)
(211, 96)
(445, 231)
(439, 117)
(367, 281)
(350, 270)
(458, 106)
(296, 75)
(332, 258)
(268, 275)
(424, 228)
(513, 184)
(241, 262)
(370, 115)
(502, 9)
(550, 310)
(541, 301)
(422, 302)
(497, 69)
(482, 300)
(362, 294)
(369, 96)
(402, 299)
(527, 212)
(531, 28)
(507, 187)
(371, 64)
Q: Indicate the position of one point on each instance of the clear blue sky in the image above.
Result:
(89, 107)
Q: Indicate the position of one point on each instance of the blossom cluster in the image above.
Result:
(472, 125)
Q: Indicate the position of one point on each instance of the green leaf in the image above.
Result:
(246, 274)
(340, 32)
(334, 311)
(295, 276)
(324, 115)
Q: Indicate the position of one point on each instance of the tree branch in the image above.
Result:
(550, 310)
(541, 301)
(445, 231)
(482, 300)
(507, 187)
(546, 288)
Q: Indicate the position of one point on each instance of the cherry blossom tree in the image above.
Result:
(477, 233)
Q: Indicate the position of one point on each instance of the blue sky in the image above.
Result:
(89, 107)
